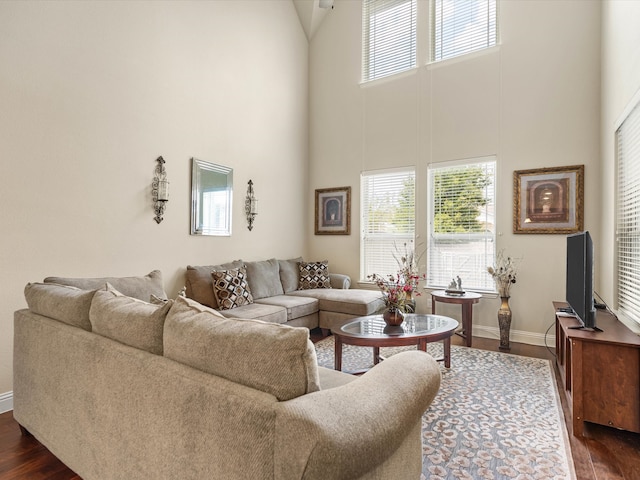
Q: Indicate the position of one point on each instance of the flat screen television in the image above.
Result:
(579, 288)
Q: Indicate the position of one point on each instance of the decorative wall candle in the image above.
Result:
(160, 190)
(250, 206)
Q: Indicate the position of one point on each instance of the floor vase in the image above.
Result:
(504, 322)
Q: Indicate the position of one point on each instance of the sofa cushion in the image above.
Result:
(64, 303)
(314, 275)
(199, 283)
(136, 287)
(354, 301)
(296, 306)
(201, 308)
(128, 320)
(259, 311)
(276, 359)
(289, 274)
(264, 278)
(231, 289)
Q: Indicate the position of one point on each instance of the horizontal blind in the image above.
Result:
(215, 205)
(388, 219)
(388, 37)
(461, 224)
(462, 26)
(628, 216)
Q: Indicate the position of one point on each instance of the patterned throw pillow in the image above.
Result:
(314, 275)
(231, 288)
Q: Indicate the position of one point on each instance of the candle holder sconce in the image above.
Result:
(160, 190)
(250, 206)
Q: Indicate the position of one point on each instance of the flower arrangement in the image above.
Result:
(394, 291)
(503, 273)
(408, 274)
(398, 289)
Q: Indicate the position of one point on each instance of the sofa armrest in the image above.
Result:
(339, 280)
(347, 431)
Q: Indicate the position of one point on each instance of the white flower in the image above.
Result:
(504, 273)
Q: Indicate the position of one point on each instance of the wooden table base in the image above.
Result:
(422, 345)
(467, 300)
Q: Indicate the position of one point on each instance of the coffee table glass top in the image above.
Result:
(374, 326)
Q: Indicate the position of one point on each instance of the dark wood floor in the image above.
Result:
(604, 453)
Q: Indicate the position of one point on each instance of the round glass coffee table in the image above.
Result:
(372, 331)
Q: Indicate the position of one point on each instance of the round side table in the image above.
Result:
(467, 300)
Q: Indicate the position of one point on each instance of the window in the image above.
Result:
(388, 218)
(461, 223)
(462, 26)
(388, 37)
(628, 216)
(215, 205)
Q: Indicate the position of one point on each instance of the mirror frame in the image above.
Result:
(197, 190)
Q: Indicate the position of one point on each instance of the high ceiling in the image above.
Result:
(311, 14)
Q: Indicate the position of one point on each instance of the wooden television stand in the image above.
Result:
(600, 372)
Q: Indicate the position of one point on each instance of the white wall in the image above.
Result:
(620, 93)
(533, 101)
(91, 93)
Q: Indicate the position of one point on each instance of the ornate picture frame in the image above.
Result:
(333, 211)
(549, 200)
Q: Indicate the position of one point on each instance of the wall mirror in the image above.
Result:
(211, 196)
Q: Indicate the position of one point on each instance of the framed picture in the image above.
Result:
(333, 211)
(548, 200)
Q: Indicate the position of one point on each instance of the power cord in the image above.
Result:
(604, 304)
(600, 305)
(545, 340)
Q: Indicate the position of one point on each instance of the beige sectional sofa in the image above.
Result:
(119, 388)
(277, 295)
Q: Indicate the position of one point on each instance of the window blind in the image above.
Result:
(389, 37)
(461, 224)
(215, 205)
(388, 219)
(628, 216)
(462, 26)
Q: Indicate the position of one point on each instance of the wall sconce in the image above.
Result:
(250, 206)
(160, 190)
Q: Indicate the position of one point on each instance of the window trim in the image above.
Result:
(632, 114)
(411, 170)
(465, 54)
(490, 287)
(366, 42)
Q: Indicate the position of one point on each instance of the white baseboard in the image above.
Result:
(6, 402)
(518, 336)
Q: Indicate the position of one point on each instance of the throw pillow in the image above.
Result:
(128, 320)
(136, 287)
(64, 303)
(277, 359)
(314, 275)
(290, 274)
(231, 289)
(199, 283)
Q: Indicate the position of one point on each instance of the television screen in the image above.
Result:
(579, 287)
